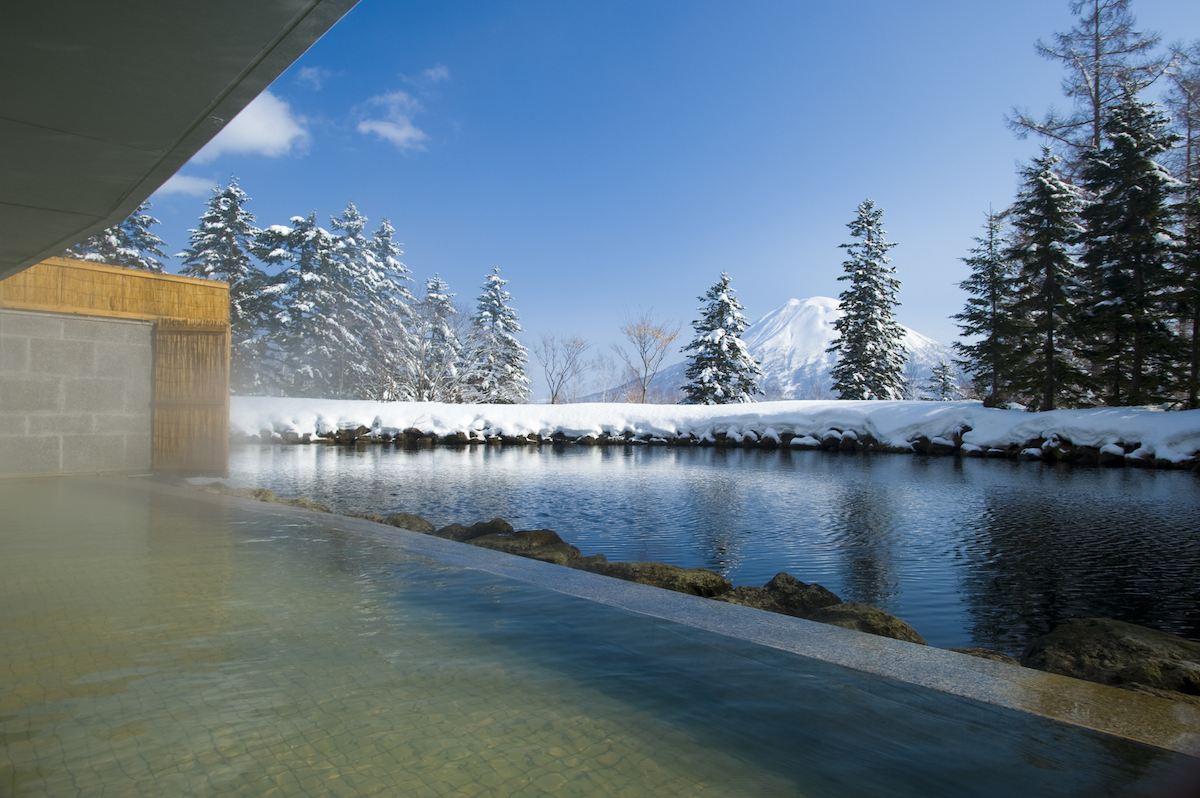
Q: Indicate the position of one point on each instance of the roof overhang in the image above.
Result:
(102, 102)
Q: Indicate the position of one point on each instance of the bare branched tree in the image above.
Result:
(649, 344)
(607, 376)
(562, 361)
(1104, 57)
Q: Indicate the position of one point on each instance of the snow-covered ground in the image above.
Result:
(1168, 436)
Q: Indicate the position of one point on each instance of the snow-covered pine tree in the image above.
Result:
(390, 317)
(431, 370)
(220, 250)
(362, 293)
(1184, 102)
(129, 244)
(497, 359)
(720, 370)
(1124, 316)
(988, 315)
(1045, 221)
(943, 383)
(869, 345)
(307, 325)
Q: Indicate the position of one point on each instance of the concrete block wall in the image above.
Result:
(75, 394)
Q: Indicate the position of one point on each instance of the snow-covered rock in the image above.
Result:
(1139, 435)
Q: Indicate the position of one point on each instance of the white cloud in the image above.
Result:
(266, 126)
(313, 76)
(398, 109)
(185, 184)
(437, 74)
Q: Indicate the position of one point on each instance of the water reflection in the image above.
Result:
(969, 552)
(1114, 548)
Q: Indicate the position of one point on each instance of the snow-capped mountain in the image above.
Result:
(790, 343)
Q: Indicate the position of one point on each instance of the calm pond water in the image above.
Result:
(970, 552)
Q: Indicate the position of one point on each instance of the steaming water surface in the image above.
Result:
(970, 552)
(166, 645)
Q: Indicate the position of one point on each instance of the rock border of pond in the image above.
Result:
(1051, 448)
(1100, 650)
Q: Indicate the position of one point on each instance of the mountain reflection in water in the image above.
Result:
(970, 552)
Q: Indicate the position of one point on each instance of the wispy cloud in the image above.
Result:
(185, 184)
(266, 126)
(436, 74)
(314, 77)
(396, 109)
(427, 78)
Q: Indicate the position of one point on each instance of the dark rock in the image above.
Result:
(414, 523)
(987, 653)
(1058, 450)
(305, 504)
(696, 581)
(863, 618)
(940, 446)
(537, 544)
(497, 526)
(831, 439)
(785, 594)
(584, 563)
(1109, 458)
(1117, 653)
(367, 516)
(260, 494)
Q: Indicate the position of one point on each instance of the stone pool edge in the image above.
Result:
(1173, 726)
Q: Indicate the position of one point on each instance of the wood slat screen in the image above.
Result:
(63, 285)
(191, 398)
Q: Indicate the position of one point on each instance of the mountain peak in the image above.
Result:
(790, 342)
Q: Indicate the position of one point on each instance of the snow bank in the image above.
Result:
(1168, 436)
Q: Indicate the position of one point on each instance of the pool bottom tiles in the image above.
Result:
(159, 645)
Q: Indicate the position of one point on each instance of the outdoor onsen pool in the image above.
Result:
(158, 641)
(970, 552)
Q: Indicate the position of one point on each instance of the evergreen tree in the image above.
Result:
(362, 292)
(386, 337)
(431, 368)
(129, 244)
(720, 370)
(869, 345)
(309, 324)
(943, 384)
(1127, 242)
(1184, 101)
(498, 362)
(988, 314)
(1044, 218)
(220, 250)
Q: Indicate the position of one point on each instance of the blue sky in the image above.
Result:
(616, 157)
